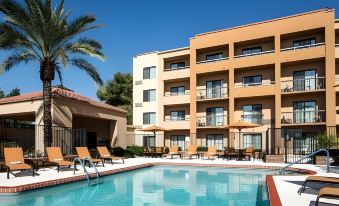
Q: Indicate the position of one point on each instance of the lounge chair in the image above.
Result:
(329, 192)
(105, 155)
(173, 151)
(55, 156)
(211, 152)
(318, 179)
(146, 152)
(191, 151)
(14, 160)
(84, 153)
(249, 152)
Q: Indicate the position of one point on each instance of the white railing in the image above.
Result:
(177, 68)
(212, 93)
(170, 94)
(254, 54)
(212, 60)
(239, 85)
(302, 47)
(298, 85)
(176, 119)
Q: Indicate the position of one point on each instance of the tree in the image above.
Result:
(14, 92)
(119, 92)
(34, 31)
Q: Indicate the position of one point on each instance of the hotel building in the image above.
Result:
(280, 74)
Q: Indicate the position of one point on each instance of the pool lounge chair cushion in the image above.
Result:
(327, 192)
(104, 154)
(318, 179)
(14, 160)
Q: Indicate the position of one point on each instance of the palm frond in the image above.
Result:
(14, 12)
(85, 66)
(59, 73)
(15, 59)
(86, 47)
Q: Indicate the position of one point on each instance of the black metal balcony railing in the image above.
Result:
(252, 118)
(302, 117)
(212, 121)
(176, 119)
(169, 94)
(254, 54)
(176, 68)
(297, 85)
(212, 60)
(212, 93)
(303, 47)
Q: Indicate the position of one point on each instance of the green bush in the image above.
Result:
(202, 149)
(325, 141)
(129, 153)
(137, 150)
(166, 150)
(118, 151)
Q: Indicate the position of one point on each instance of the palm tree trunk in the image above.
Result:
(47, 73)
(47, 100)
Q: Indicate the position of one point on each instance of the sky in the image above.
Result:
(137, 26)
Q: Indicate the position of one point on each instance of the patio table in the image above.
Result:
(34, 161)
(200, 154)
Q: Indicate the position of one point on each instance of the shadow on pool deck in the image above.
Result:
(313, 187)
(312, 203)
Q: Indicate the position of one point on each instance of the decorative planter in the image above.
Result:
(321, 160)
(275, 158)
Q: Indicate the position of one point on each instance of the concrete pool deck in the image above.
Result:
(286, 186)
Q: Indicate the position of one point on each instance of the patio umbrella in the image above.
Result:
(154, 129)
(241, 125)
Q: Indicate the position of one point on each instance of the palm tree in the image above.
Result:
(34, 31)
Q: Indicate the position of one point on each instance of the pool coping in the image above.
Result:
(272, 190)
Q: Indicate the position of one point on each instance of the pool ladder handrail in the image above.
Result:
(308, 156)
(82, 163)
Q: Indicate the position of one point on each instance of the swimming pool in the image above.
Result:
(158, 185)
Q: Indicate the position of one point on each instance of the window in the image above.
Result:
(211, 57)
(304, 112)
(252, 140)
(304, 42)
(149, 141)
(149, 72)
(177, 91)
(304, 80)
(149, 118)
(149, 95)
(252, 80)
(214, 89)
(177, 115)
(252, 113)
(178, 65)
(252, 50)
(303, 144)
(215, 116)
(178, 140)
(215, 140)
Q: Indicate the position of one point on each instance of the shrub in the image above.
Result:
(202, 149)
(129, 153)
(166, 150)
(325, 141)
(137, 150)
(118, 151)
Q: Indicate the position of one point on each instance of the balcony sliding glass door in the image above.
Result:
(214, 89)
(304, 80)
(304, 112)
(215, 116)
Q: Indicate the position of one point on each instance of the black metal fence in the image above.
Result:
(31, 139)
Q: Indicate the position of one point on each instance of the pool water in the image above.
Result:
(158, 185)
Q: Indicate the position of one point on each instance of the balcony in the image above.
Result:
(254, 90)
(176, 98)
(212, 60)
(254, 54)
(303, 117)
(253, 118)
(303, 85)
(176, 123)
(336, 50)
(212, 94)
(304, 52)
(176, 68)
(212, 121)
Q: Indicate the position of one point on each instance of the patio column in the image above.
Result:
(1, 126)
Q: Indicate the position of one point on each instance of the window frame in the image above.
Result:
(248, 144)
(214, 140)
(178, 118)
(147, 95)
(177, 141)
(149, 118)
(178, 65)
(252, 83)
(149, 76)
(304, 40)
(219, 54)
(177, 93)
(251, 50)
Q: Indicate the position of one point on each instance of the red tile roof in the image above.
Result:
(60, 93)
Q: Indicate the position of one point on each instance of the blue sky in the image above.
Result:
(137, 26)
